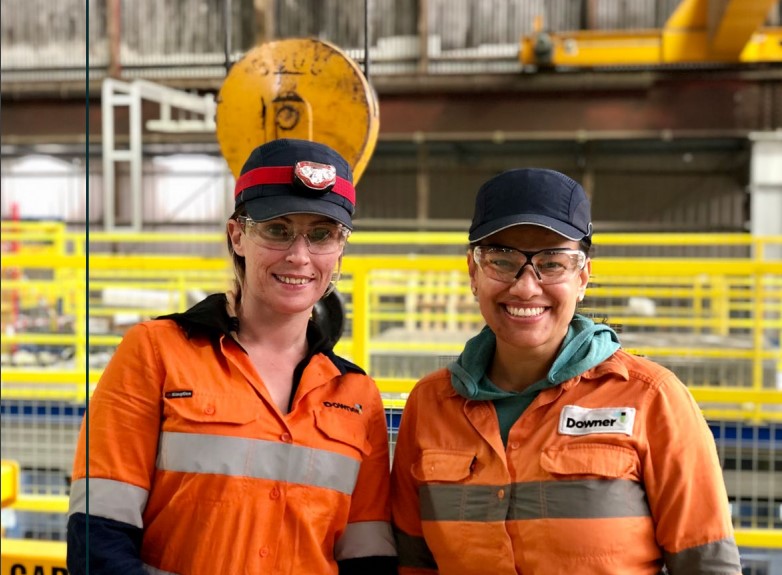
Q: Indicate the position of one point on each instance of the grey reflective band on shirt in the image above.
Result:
(451, 502)
(365, 539)
(716, 558)
(256, 458)
(413, 551)
(110, 499)
(580, 499)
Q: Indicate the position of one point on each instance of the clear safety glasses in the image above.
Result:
(321, 238)
(551, 266)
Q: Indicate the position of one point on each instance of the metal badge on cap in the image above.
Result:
(314, 178)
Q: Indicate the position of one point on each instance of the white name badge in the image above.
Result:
(575, 420)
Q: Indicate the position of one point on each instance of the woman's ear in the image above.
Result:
(234, 230)
(336, 273)
(584, 276)
(472, 268)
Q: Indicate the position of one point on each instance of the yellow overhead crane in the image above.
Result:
(698, 32)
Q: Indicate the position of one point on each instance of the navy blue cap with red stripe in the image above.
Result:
(289, 176)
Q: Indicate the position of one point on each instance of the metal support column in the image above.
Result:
(114, 94)
(765, 188)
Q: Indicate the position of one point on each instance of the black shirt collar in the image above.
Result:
(209, 318)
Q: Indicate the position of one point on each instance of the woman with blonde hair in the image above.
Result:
(230, 438)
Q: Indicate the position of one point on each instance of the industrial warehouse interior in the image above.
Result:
(125, 126)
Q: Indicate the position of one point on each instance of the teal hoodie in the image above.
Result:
(586, 345)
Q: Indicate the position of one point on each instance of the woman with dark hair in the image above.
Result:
(545, 449)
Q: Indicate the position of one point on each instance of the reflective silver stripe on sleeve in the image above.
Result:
(717, 558)
(413, 551)
(155, 571)
(582, 499)
(365, 539)
(239, 456)
(110, 499)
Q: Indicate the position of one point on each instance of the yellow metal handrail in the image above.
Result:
(736, 299)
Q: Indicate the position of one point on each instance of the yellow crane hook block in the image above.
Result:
(297, 88)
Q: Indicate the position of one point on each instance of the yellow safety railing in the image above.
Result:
(753, 310)
(734, 303)
(715, 319)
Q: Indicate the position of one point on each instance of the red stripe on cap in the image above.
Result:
(284, 175)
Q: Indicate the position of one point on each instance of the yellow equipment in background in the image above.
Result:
(297, 88)
(26, 556)
(698, 32)
(9, 485)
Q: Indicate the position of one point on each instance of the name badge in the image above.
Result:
(575, 420)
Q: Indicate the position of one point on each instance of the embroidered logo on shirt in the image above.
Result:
(179, 393)
(355, 409)
(575, 420)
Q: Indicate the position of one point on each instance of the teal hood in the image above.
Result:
(586, 345)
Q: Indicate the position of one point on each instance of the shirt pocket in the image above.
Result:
(345, 437)
(592, 460)
(594, 509)
(345, 430)
(441, 466)
(230, 409)
(446, 495)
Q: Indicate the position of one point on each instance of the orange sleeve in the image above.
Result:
(682, 473)
(405, 508)
(124, 414)
(370, 500)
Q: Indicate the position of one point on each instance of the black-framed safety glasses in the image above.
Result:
(551, 266)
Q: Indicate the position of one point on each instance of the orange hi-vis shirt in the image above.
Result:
(186, 444)
(612, 472)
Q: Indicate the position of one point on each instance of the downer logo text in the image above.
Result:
(577, 420)
(594, 423)
(354, 409)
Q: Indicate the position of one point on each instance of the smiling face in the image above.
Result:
(285, 281)
(529, 316)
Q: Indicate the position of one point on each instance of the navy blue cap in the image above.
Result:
(532, 196)
(288, 176)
